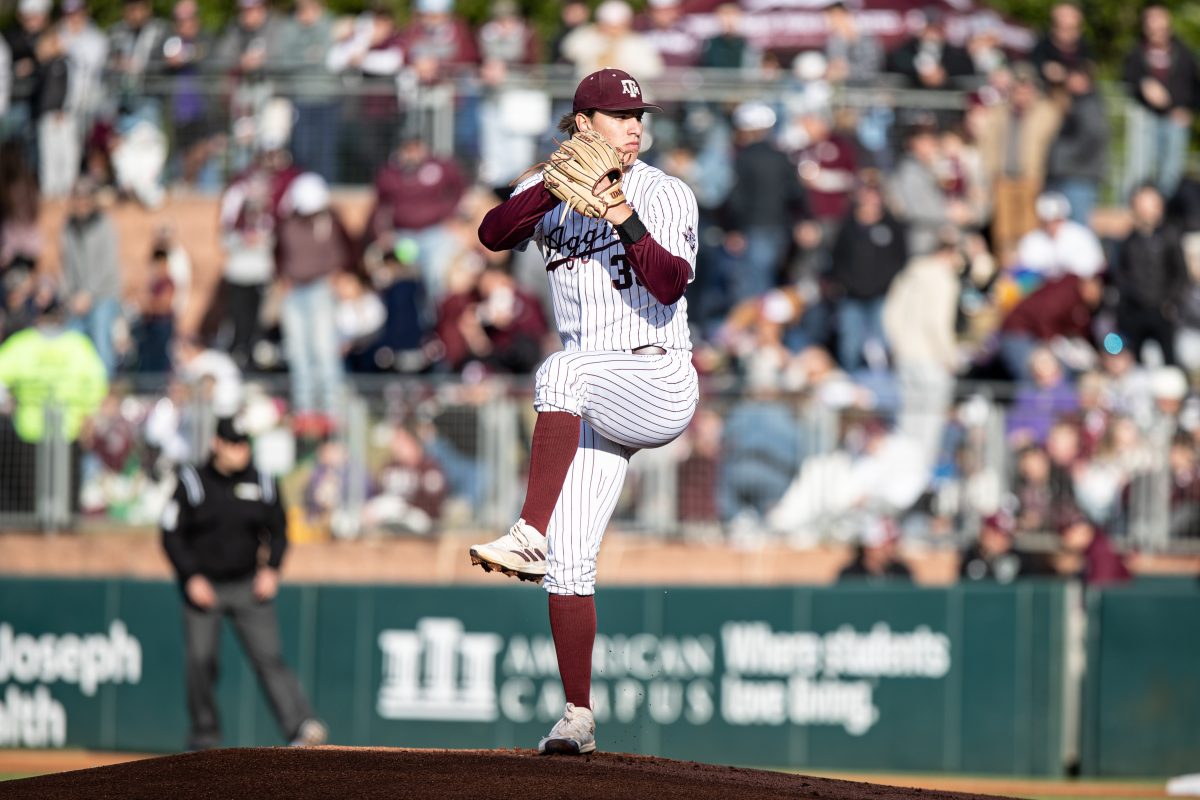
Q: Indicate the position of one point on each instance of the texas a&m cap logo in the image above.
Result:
(611, 90)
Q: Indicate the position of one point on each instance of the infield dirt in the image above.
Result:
(337, 772)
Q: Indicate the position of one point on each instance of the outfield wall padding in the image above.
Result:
(860, 677)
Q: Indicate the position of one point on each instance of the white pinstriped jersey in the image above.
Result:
(598, 302)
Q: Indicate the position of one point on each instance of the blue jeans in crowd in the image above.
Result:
(1081, 194)
(1156, 150)
(465, 475)
(310, 343)
(97, 324)
(752, 272)
(1015, 350)
(315, 137)
(18, 124)
(859, 321)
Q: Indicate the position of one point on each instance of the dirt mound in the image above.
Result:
(363, 773)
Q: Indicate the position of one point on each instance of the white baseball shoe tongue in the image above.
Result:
(573, 735)
(521, 553)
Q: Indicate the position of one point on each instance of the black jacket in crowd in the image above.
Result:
(216, 523)
(52, 89)
(955, 61)
(1002, 568)
(1150, 271)
(1181, 81)
(1183, 210)
(1080, 151)
(767, 192)
(857, 569)
(22, 47)
(867, 258)
(1046, 51)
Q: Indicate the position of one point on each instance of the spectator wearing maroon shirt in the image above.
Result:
(827, 165)
(663, 26)
(495, 324)
(1185, 488)
(1060, 308)
(438, 42)
(411, 488)
(1086, 553)
(311, 246)
(249, 212)
(416, 194)
(508, 37)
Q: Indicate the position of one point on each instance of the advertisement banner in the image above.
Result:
(859, 676)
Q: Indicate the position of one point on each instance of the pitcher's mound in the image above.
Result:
(280, 773)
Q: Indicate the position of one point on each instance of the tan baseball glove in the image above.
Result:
(585, 173)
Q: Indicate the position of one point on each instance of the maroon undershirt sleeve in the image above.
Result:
(664, 274)
(513, 221)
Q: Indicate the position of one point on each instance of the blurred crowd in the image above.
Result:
(863, 261)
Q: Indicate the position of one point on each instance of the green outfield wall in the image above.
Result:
(1142, 692)
(860, 677)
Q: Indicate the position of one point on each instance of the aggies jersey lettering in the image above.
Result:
(598, 302)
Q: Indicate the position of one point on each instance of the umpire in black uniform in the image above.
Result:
(222, 515)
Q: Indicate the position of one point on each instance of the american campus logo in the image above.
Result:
(748, 674)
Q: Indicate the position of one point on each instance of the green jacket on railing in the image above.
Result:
(44, 365)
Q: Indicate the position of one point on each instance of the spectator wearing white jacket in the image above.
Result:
(918, 319)
(612, 41)
(1059, 246)
(87, 53)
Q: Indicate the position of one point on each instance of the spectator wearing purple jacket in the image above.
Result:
(1040, 402)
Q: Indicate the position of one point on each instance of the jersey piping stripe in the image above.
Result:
(585, 266)
(191, 483)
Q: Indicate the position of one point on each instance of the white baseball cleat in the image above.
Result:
(521, 553)
(573, 735)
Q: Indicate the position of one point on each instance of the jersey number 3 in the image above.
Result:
(625, 276)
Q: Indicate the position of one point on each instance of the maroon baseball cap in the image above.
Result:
(611, 90)
(1001, 521)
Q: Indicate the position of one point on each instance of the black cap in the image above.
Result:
(231, 429)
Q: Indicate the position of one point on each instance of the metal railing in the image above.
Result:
(446, 113)
(423, 456)
(37, 479)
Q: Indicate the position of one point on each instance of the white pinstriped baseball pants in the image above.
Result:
(626, 402)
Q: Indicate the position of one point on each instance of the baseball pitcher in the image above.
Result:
(619, 240)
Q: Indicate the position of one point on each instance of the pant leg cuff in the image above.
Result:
(556, 401)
